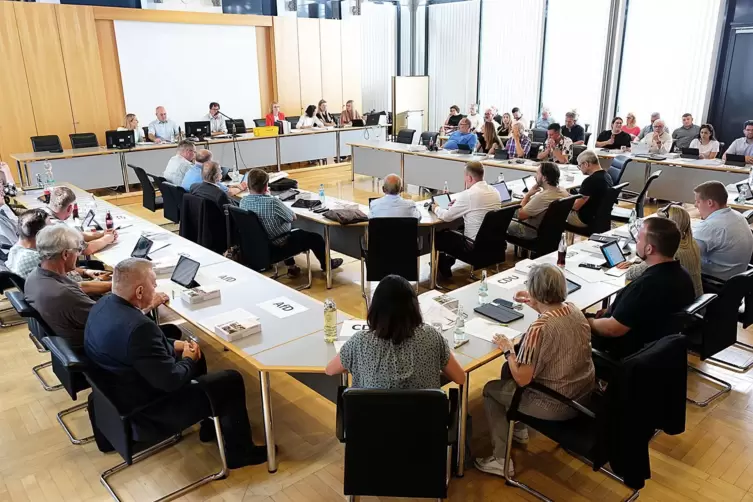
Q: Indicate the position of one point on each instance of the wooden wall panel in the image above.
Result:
(350, 31)
(183, 17)
(16, 113)
(287, 74)
(83, 69)
(108, 58)
(332, 64)
(309, 61)
(266, 63)
(40, 43)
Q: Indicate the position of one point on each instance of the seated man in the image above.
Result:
(211, 188)
(463, 136)
(180, 163)
(537, 200)
(277, 219)
(614, 138)
(139, 364)
(648, 129)
(545, 119)
(60, 208)
(392, 205)
(687, 133)
(572, 130)
(472, 204)
(193, 175)
(593, 190)
(8, 219)
(642, 312)
(658, 141)
(723, 236)
(744, 145)
(558, 148)
(519, 144)
(162, 129)
(489, 116)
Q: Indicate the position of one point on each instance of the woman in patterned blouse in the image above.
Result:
(555, 352)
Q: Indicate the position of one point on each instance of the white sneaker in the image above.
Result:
(494, 465)
(520, 436)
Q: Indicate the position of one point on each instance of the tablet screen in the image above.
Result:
(528, 181)
(185, 271)
(504, 192)
(744, 189)
(442, 200)
(572, 286)
(612, 253)
(88, 219)
(142, 248)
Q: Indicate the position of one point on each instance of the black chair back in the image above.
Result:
(617, 168)
(405, 136)
(203, 222)
(534, 151)
(427, 137)
(84, 140)
(260, 122)
(603, 220)
(587, 137)
(239, 124)
(68, 364)
(719, 326)
(577, 150)
(393, 248)
(293, 121)
(113, 423)
(552, 225)
(49, 143)
(538, 135)
(490, 246)
(374, 438)
(172, 197)
(149, 195)
(145, 129)
(245, 229)
(640, 202)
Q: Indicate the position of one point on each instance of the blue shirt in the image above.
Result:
(193, 176)
(542, 123)
(459, 138)
(167, 130)
(741, 146)
(725, 242)
(393, 206)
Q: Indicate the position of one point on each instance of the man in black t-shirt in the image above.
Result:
(643, 312)
(572, 130)
(615, 138)
(593, 189)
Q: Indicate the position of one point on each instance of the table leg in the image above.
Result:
(21, 182)
(277, 147)
(353, 163)
(402, 171)
(124, 170)
(269, 429)
(328, 265)
(464, 390)
(337, 146)
(433, 261)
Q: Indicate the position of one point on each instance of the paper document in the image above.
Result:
(481, 328)
(282, 307)
(434, 312)
(586, 274)
(524, 266)
(616, 272)
(509, 279)
(350, 328)
(339, 345)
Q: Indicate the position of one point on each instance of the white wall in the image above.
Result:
(184, 67)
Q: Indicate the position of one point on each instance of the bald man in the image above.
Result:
(392, 205)
(163, 129)
(139, 365)
(463, 136)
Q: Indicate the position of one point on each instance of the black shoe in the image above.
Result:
(445, 272)
(207, 432)
(294, 271)
(335, 263)
(257, 455)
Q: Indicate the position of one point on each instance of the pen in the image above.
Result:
(460, 343)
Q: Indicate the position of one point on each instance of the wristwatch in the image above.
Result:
(507, 353)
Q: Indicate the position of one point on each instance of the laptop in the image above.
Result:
(357, 122)
(572, 287)
(442, 200)
(504, 192)
(689, 153)
(639, 148)
(501, 155)
(735, 160)
(185, 272)
(462, 148)
(744, 189)
(372, 119)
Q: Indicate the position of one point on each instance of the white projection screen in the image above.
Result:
(184, 67)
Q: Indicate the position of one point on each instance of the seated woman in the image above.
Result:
(398, 351)
(506, 128)
(536, 201)
(309, 119)
(688, 254)
(275, 115)
(323, 115)
(131, 123)
(453, 119)
(708, 146)
(555, 352)
(349, 114)
(488, 139)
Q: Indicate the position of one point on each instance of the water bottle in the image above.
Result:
(562, 252)
(49, 178)
(108, 221)
(330, 320)
(501, 178)
(40, 183)
(75, 211)
(446, 188)
(633, 218)
(483, 290)
(459, 333)
(321, 193)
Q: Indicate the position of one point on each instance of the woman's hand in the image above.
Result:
(503, 343)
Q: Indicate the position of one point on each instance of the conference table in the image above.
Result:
(679, 176)
(101, 167)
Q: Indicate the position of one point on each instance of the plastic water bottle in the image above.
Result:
(321, 193)
(330, 320)
(235, 175)
(459, 333)
(483, 290)
(633, 218)
(501, 178)
(446, 188)
(49, 177)
(562, 252)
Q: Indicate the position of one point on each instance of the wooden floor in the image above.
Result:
(712, 460)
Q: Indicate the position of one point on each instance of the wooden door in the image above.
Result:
(285, 31)
(332, 67)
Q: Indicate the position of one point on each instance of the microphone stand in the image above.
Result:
(234, 140)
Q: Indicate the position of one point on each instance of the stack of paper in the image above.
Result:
(234, 325)
(200, 294)
(437, 308)
(481, 328)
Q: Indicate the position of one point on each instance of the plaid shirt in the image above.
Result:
(525, 143)
(274, 215)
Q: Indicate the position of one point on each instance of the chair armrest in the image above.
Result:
(562, 399)
(452, 425)
(714, 281)
(17, 300)
(524, 223)
(598, 354)
(699, 304)
(63, 352)
(339, 415)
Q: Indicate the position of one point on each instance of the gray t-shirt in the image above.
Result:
(683, 136)
(416, 363)
(60, 302)
(539, 203)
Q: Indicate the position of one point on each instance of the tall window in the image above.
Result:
(667, 59)
(453, 58)
(511, 37)
(574, 51)
(378, 49)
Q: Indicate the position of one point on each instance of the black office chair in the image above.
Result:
(293, 121)
(405, 136)
(586, 139)
(116, 426)
(539, 135)
(84, 140)
(722, 149)
(603, 220)
(257, 251)
(150, 200)
(617, 168)
(577, 150)
(489, 247)
(622, 214)
(366, 422)
(202, 221)
(146, 134)
(393, 248)
(586, 127)
(336, 117)
(533, 152)
(550, 230)
(69, 364)
(427, 137)
(172, 197)
(260, 122)
(50, 143)
(238, 124)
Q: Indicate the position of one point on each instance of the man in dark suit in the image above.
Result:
(139, 364)
(210, 189)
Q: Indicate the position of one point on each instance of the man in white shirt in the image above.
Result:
(162, 129)
(475, 118)
(489, 117)
(392, 205)
(472, 204)
(181, 163)
(744, 145)
(649, 128)
(216, 120)
(660, 140)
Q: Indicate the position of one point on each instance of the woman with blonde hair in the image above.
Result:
(688, 254)
(275, 115)
(630, 126)
(349, 114)
(131, 123)
(323, 115)
(506, 128)
(489, 140)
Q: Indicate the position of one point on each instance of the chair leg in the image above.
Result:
(732, 366)
(74, 440)
(40, 348)
(37, 369)
(308, 267)
(726, 387)
(4, 324)
(363, 281)
(276, 275)
(511, 481)
(161, 446)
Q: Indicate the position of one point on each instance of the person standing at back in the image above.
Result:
(392, 205)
